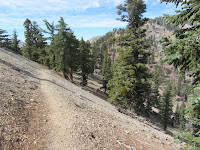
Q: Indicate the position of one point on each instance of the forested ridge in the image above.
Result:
(140, 72)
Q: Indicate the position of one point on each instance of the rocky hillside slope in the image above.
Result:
(40, 110)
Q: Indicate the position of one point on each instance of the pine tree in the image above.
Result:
(165, 106)
(50, 59)
(182, 120)
(158, 75)
(28, 49)
(130, 84)
(35, 43)
(51, 30)
(39, 44)
(4, 40)
(183, 53)
(186, 90)
(15, 43)
(86, 66)
(106, 69)
(66, 50)
(73, 55)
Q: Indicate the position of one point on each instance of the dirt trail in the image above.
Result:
(79, 120)
(60, 114)
(75, 119)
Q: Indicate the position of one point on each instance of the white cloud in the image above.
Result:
(154, 2)
(73, 13)
(76, 13)
(170, 8)
(94, 21)
(53, 5)
(117, 2)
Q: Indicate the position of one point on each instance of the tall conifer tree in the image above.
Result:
(39, 43)
(130, 84)
(66, 50)
(15, 43)
(4, 40)
(34, 43)
(85, 61)
(165, 106)
(106, 69)
(28, 48)
(50, 59)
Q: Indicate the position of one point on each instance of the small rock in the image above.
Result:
(18, 139)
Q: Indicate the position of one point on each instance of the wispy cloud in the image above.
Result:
(53, 5)
(12, 11)
(77, 13)
(153, 2)
(101, 20)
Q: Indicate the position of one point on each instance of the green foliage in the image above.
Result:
(174, 87)
(15, 43)
(131, 12)
(64, 53)
(193, 111)
(130, 86)
(86, 66)
(28, 48)
(65, 47)
(49, 60)
(4, 40)
(158, 75)
(51, 29)
(155, 96)
(186, 90)
(165, 106)
(180, 116)
(34, 43)
(185, 48)
(183, 53)
(39, 44)
(106, 69)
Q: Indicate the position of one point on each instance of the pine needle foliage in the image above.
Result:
(65, 50)
(15, 43)
(85, 61)
(165, 106)
(106, 69)
(4, 40)
(129, 87)
(35, 42)
(184, 53)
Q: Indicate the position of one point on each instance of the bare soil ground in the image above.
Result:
(40, 110)
(22, 109)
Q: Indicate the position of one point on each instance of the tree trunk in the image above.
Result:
(71, 77)
(71, 74)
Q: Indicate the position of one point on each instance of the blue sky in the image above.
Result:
(87, 18)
